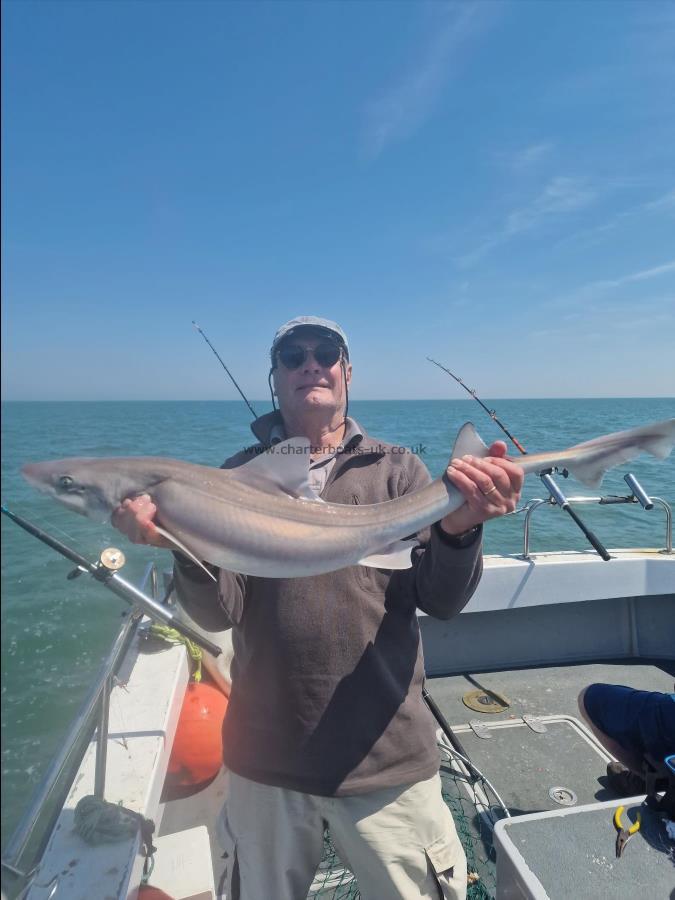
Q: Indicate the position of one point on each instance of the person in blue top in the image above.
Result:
(634, 726)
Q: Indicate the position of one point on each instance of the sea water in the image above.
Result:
(56, 632)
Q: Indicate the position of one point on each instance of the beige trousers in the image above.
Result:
(400, 843)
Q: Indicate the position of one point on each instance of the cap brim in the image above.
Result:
(321, 330)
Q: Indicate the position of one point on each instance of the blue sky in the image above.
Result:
(488, 183)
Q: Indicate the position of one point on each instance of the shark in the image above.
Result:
(263, 519)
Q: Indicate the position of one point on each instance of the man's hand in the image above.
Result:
(490, 486)
(134, 518)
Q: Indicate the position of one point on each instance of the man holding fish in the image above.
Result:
(326, 723)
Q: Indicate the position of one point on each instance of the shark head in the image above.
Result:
(85, 485)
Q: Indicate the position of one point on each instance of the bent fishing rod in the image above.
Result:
(231, 376)
(105, 572)
(554, 490)
(234, 382)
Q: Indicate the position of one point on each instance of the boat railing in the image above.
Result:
(36, 824)
(637, 496)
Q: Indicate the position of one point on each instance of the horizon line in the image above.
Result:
(352, 399)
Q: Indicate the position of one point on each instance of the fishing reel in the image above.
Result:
(111, 559)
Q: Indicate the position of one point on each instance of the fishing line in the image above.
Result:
(343, 367)
(546, 476)
(111, 579)
(48, 521)
(490, 412)
(475, 775)
(232, 379)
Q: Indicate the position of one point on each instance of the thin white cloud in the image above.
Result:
(643, 275)
(664, 203)
(656, 319)
(561, 196)
(655, 315)
(402, 109)
(469, 259)
(661, 205)
(592, 294)
(530, 156)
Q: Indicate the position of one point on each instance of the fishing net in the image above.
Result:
(474, 807)
(333, 881)
(475, 813)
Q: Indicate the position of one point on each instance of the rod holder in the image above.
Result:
(638, 491)
(563, 503)
(554, 490)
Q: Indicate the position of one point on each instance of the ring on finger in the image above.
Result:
(486, 493)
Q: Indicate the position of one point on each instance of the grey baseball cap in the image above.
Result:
(325, 327)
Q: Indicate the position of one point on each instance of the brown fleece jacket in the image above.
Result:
(328, 670)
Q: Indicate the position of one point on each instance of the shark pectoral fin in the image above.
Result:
(284, 468)
(468, 441)
(185, 550)
(395, 556)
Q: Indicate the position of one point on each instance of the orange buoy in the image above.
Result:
(197, 752)
(148, 892)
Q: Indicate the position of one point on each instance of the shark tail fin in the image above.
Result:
(589, 461)
(591, 472)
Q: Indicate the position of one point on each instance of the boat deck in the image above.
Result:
(530, 770)
(542, 766)
(535, 633)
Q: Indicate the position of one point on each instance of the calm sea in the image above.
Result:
(56, 632)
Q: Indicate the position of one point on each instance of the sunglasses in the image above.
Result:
(293, 356)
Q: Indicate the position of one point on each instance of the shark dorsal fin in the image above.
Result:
(469, 442)
(283, 468)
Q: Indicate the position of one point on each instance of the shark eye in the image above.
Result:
(65, 481)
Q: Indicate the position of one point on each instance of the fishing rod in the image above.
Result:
(546, 477)
(232, 379)
(105, 572)
(490, 412)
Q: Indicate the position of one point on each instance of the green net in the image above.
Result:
(333, 881)
(475, 815)
(475, 811)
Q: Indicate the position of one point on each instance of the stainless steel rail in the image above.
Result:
(47, 801)
(534, 504)
(104, 712)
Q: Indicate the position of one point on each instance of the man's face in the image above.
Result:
(311, 385)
